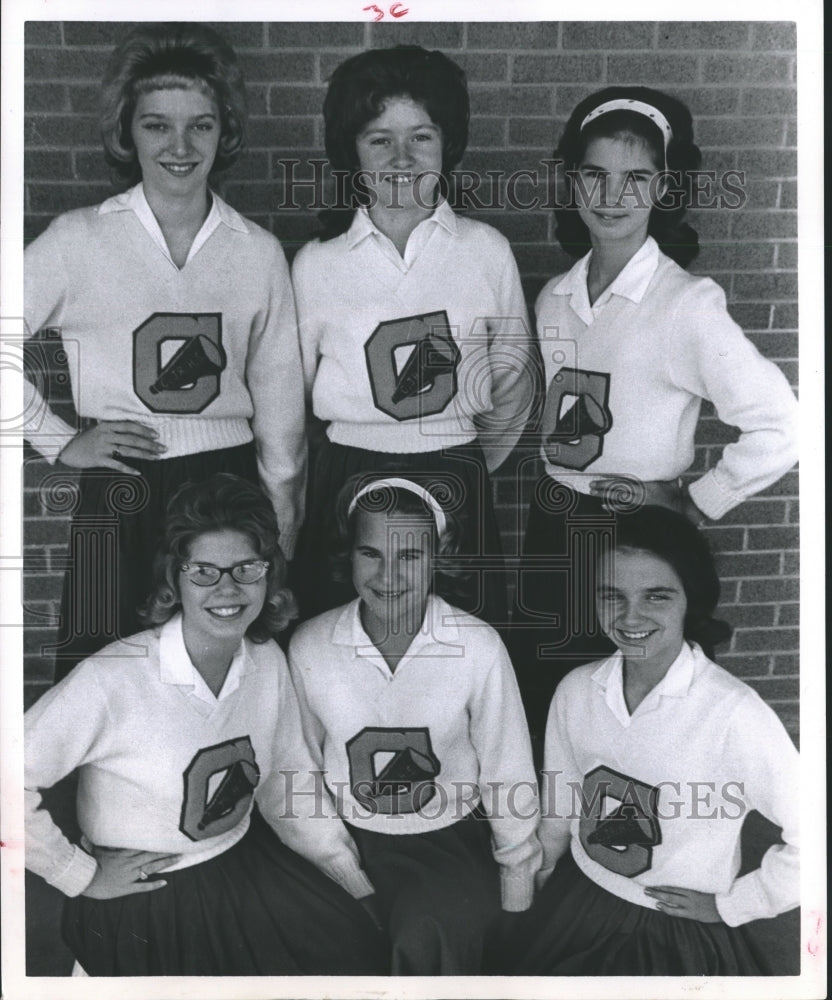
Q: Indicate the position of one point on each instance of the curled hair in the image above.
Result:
(224, 502)
(358, 90)
(677, 541)
(394, 500)
(675, 237)
(163, 57)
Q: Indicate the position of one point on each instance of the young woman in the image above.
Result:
(412, 319)
(653, 757)
(176, 733)
(178, 320)
(631, 346)
(413, 712)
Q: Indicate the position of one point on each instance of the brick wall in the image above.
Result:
(739, 81)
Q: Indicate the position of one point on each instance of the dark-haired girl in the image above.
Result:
(412, 710)
(631, 346)
(178, 322)
(653, 758)
(176, 733)
(412, 319)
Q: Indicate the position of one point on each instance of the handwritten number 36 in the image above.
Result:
(395, 10)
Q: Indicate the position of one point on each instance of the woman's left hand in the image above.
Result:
(655, 492)
(686, 903)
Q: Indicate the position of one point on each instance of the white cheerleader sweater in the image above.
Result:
(362, 307)
(105, 278)
(418, 749)
(627, 375)
(166, 766)
(657, 798)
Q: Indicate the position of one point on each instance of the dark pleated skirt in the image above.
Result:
(113, 537)
(439, 894)
(576, 928)
(458, 478)
(258, 909)
(554, 623)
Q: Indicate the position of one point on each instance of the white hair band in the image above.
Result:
(624, 104)
(404, 484)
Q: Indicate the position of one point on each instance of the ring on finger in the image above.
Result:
(142, 875)
(116, 454)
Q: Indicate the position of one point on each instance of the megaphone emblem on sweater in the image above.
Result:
(392, 770)
(189, 379)
(619, 825)
(412, 365)
(576, 417)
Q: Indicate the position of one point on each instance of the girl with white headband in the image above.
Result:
(413, 713)
(631, 346)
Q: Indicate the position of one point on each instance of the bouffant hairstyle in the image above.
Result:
(222, 502)
(675, 237)
(162, 57)
(677, 541)
(358, 90)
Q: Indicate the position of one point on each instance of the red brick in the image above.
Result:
(769, 100)
(725, 539)
(734, 257)
(766, 640)
(709, 100)
(566, 68)
(43, 33)
(750, 315)
(764, 225)
(512, 101)
(786, 486)
(483, 66)
(761, 194)
(648, 69)
(748, 615)
(61, 130)
(45, 97)
(787, 256)
(773, 538)
(703, 35)
(106, 33)
(487, 132)
(791, 563)
(41, 587)
(296, 100)
(768, 162)
(745, 666)
(46, 165)
(779, 689)
(275, 67)
(777, 589)
(774, 285)
(766, 131)
(776, 345)
(755, 69)
(787, 663)
(788, 194)
(443, 35)
(316, 35)
(743, 565)
(280, 133)
(609, 35)
(774, 35)
(65, 64)
(531, 132)
(785, 317)
(514, 35)
(789, 614)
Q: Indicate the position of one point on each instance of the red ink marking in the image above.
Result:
(378, 10)
(813, 944)
(398, 13)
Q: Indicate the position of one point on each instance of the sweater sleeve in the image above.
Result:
(711, 357)
(60, 732)
(508, 784)
(759, 748)
(295, 801)
(512, 361)
(45, 290)
(275, 382)
(305, 285)
(560, 773)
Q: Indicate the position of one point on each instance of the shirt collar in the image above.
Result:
(134, 200)
(438, 628)
(363, 226)
(175, 666)
(609, 676)
(631, 283)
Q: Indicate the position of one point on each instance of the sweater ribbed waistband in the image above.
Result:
(618, 885)
(192, 435)
(411, 437)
